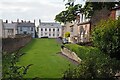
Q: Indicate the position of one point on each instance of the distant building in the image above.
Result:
(26, 28)
(50, 30)
(79, 29)
(9, 29)
(84, 30)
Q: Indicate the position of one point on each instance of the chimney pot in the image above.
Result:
(6, 21)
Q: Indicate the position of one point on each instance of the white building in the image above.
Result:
(50, 30)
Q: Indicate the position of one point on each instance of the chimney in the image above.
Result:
(6, 21)
(22, 21)
(39, 21)
(34, 20)
(18, 20)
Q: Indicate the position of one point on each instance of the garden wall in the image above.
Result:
(13, 44)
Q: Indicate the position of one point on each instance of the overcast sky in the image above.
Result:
(31, 9)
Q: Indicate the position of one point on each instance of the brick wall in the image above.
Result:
(13, 44)
(99, 15)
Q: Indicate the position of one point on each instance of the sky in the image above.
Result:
(32, 9)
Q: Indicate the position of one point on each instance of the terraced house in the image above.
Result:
(79, 29)
(24, 27)
(49, 30)
(11, 29)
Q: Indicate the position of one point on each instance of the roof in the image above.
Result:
(26, 24)
(10, 25)
(116, 8)
(50, 25)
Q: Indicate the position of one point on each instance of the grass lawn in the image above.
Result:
(46, 63)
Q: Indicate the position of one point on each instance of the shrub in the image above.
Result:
(67, 34)
(106, 36)
(10, 69)
(94, 64)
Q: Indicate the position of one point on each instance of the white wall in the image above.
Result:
(46, 33)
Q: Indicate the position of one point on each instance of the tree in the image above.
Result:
(70, 2)
(69, 14)
(106, 36)
(91, 7)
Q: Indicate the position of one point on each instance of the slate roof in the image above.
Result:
(26, 24)
(50, 25)
(10, 25)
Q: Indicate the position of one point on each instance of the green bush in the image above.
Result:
(106, 36)
(94, 64)
(67, 34)
(10, 70)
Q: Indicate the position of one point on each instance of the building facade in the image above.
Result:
(50, 30)
(79, 30)
(9, 30)
(26, 28)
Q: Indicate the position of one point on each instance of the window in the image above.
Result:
(31, 28)
(53, 29)
(45, 34)
(41, 29)
(10, 32)
(49, 34)
(45, 29)
(53, 34)
(57, 29)
(20, 28)
(41, 34)
(25, 32)
(57, 34)
(49, 29)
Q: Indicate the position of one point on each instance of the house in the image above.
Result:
(79, 29)
(50, 30)
(9, 29)
(115, 12)
(24, 27)
(84, 31)
(72, 28)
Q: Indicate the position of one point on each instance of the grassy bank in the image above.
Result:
(42, 53)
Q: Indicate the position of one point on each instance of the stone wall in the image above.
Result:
(71, 55)
(13, 44)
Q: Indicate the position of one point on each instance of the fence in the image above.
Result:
(12, 44)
